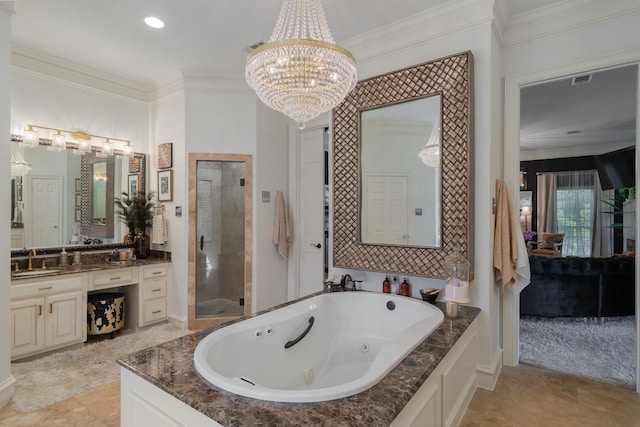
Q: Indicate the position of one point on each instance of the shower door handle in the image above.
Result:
(316, 245)
(202, 242)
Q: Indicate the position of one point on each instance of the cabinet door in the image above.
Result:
(66, 318)
(27, 326)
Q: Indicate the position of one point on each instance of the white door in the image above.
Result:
(310, 218)
(385, 213)
(45, 211)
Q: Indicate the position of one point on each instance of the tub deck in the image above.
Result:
(170, 367)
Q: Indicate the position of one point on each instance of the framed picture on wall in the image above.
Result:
(78, 200)
(134, 164)
(133, 184)
(77, 185)
(78, 215)
(165, 155)
(165, 185)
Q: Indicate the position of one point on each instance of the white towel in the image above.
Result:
(159, 233)
(281, 226)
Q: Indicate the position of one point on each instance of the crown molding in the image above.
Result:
(8, 7)
(54, 68)
(563, 17)
(425, 27)
(200, 81)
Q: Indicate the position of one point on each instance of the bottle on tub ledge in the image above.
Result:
(405, 289)
(386, 285)
(395, 287)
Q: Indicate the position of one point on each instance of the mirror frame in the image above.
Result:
(86, 196)
(452, 78)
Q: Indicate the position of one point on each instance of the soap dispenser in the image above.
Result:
(64, 258)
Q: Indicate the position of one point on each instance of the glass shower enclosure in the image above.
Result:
(220, 238)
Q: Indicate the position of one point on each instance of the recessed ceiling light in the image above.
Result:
(153, 22)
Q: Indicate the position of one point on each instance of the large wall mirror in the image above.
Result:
(59, 193)
(402, 155)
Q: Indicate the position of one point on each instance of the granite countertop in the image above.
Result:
(91, 265)
(170, 367)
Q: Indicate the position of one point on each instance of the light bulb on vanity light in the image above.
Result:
(58, 142)
(30, 138)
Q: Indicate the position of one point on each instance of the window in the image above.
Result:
(575, 213)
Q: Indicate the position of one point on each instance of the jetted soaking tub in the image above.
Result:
(326, 347)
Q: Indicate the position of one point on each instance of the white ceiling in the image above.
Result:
(600, 114)
(211, 37)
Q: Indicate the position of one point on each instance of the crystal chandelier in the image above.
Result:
(430, 153)
(18, 165)
(301, 72)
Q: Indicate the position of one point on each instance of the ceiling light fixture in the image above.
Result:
(430, 153)
(154, 22)
(301, 72)
(19, 166)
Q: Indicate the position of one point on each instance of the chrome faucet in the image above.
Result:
(32, 255)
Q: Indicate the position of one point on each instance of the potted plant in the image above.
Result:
(137, 213)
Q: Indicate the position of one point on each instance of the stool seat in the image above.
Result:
(105, 313)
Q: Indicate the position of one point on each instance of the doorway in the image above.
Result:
(45, 210)
(513, 113)
(220, 238)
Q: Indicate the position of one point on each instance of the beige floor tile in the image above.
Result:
(103, 402)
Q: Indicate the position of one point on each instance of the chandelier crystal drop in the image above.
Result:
(301, 71)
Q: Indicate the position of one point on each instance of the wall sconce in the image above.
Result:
(81, 142)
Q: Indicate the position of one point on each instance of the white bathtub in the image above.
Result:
(353, 341)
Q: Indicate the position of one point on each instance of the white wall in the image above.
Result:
(6, 379)
(563, 42)
(168, 125)
(453, 31)
(271, 174)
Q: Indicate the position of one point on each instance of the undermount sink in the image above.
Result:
(32, 273)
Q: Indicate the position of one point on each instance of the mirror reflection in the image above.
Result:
(46, 203)
(99, 196)
(400, 174)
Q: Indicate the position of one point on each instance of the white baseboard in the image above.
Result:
(488, 375)
(6, 390)
(180, 321)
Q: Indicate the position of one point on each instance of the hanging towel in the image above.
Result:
(159, 234)
(281, 226)
(510, 260)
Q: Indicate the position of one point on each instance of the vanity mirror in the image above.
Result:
(374, 130)
(52, 226)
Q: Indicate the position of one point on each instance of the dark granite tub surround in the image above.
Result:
(170, 367)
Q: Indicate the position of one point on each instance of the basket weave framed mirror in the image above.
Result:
(451, 78)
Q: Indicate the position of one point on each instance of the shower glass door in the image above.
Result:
(220, 238)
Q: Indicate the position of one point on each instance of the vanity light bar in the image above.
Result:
(83, 145)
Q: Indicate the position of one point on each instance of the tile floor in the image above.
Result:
(524, 396)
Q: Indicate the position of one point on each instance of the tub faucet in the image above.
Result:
(347, 283)
(32, 255)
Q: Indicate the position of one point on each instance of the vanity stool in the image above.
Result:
(105, 313)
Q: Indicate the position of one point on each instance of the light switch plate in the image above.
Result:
(266, 196)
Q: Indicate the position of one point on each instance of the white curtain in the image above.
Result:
(601, 245)
(546, 210)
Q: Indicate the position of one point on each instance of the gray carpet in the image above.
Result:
(603, 352)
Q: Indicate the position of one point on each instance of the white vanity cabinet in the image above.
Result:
(47, 314)
(154, 281)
